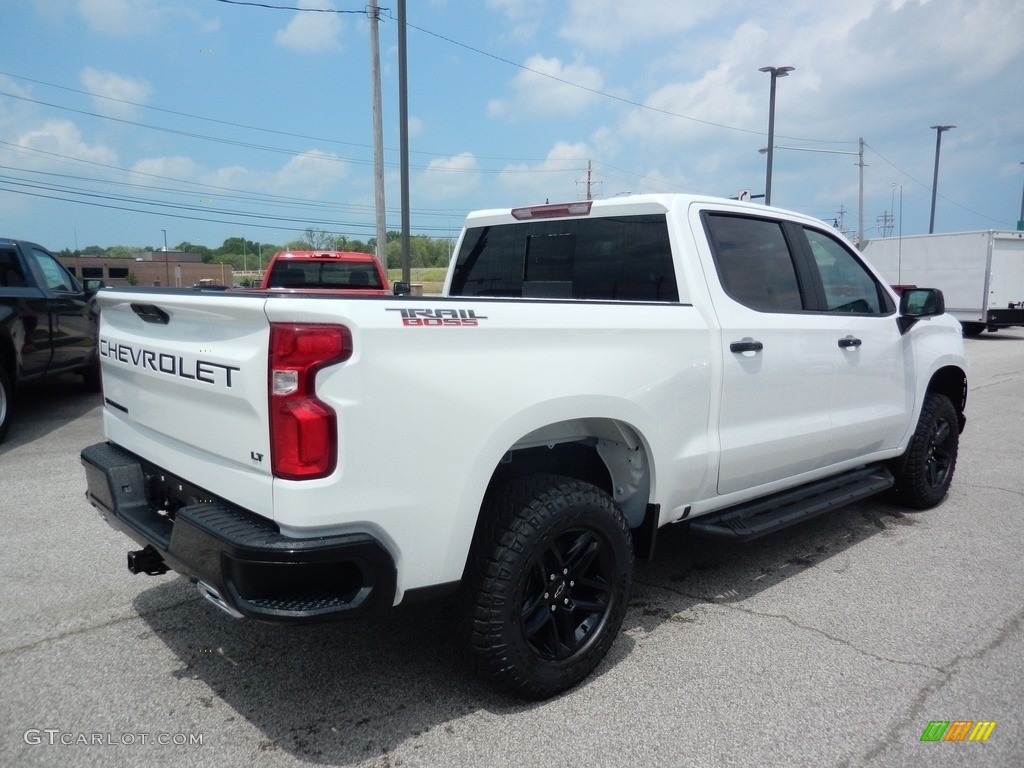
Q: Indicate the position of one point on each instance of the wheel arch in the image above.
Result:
(605, 452)
(951, 381)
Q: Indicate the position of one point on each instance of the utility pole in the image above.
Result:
(860, 201)
(378, 136)
(403, 138)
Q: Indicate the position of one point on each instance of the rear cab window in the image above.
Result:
(310, 273)
(617, 258)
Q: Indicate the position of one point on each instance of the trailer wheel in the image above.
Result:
(927, 471)
(548, 592)
(973, 329)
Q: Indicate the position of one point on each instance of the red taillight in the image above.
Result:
(303, 430)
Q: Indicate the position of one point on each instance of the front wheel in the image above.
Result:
(927, 469)
(554, 562)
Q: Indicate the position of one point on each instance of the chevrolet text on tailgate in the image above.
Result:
(592, 372)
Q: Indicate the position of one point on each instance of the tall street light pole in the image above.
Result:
(939, 129)
(1020, 221)
(776, 73)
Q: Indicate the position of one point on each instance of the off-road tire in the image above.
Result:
(924, 474)
(548, 588)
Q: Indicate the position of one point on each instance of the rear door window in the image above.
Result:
(754, 262)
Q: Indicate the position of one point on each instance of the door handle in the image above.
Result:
(746, 345)
(849, 343)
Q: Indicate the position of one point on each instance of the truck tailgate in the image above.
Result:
(185, 383)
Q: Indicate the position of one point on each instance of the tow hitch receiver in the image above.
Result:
(147, 561)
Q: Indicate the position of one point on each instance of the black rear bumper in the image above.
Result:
(254, 570)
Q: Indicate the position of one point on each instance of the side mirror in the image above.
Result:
(92, 285)
(916, 303)
(399, 288)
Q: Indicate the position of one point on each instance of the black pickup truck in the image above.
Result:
(48, 322)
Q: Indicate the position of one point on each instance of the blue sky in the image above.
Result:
(123, 118)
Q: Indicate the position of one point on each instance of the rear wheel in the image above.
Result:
(552, 578)
(927, 471)
(973, 329)
(6, 401)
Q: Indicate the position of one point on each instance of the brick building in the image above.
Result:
(160, 268)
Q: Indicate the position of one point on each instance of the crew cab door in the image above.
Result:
(72, 323)
(871, 403)
(815, 367)
(778, 363)
(24, 314)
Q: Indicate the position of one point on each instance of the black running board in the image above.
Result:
(753, 519)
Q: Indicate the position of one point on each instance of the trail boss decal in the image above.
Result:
(439, 317)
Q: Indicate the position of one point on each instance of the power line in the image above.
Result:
(292, 7)
(928, 188)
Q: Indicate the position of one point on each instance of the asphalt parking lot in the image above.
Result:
(835, 643)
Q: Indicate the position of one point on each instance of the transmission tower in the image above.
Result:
(589, 181)
(885, 223)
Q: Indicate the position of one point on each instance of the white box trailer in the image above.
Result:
(981, 274)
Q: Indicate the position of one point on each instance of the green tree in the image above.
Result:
(317, 239)
(202, 250)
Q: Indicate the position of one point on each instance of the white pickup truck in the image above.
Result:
(593, 371)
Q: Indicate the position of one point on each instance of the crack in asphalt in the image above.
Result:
(915, 715)
(90, 628)
(990, 487)
(789, 620)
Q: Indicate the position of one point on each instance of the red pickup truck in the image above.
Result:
(348, 271)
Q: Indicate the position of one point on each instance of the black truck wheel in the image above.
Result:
(927, 469)
(6, 401)
(548, 593)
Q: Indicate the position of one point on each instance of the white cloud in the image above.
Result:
(415, 127)
(120, 18)
(308, 175)
(611, 25)
(175, 167)
(524, 17)
(559, 177)
(62, 137)
(133, 18)
(310, 32)
(449, 177)
(109, 90)
(547, 89)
